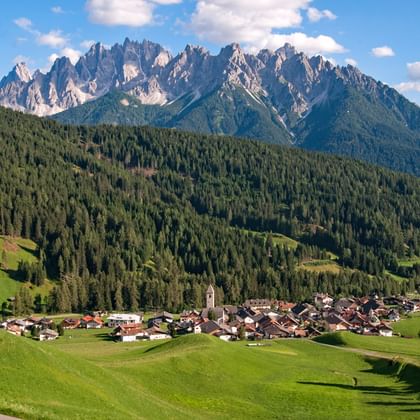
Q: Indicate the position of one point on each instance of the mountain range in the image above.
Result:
(281, 96)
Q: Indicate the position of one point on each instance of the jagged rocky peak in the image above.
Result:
(19, 73)
(292, 81)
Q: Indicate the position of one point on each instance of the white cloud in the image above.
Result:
(133, 13)
(315, 15)
(72, 54)
(53, 39)
(414, 70)
(408, 87)
(53, 57)
(351, 61)
(321, 44)
(256, 24)
(23, 23)
(22, 59)
(384, 51)
(87, 43)
(57, 10)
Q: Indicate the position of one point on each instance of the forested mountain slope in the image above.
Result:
(140, 216)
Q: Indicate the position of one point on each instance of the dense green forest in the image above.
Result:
(129, 217)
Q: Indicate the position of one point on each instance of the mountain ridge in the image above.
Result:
(280, 96)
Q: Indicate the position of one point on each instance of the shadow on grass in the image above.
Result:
(406, 374)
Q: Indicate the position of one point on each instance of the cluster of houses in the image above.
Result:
(256, 319)
(265, 319)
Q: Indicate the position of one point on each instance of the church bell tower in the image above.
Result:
(210, 297)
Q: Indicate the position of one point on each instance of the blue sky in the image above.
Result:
(381, 36)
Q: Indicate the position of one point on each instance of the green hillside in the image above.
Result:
(12, 251)
(241, 115)
(147, 218)
(381, 127)
(355, 124)
(198, 377)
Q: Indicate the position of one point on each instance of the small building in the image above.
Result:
(129, 333)
(123, 319)
(70, 323)
(90, 322)
(48, 335)
(385, 330)
(258, 304)
(159, 318)
(323, 300)
(337, 323)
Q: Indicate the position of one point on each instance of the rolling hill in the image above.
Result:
(198, 376)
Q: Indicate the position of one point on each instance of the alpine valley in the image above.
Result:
(282, 97)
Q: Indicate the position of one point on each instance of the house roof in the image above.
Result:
(50, 332)
(209, 327)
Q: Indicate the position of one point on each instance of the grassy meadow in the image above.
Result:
(13, 250)
(84, 375)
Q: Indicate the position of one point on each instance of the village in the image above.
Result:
(256, 319)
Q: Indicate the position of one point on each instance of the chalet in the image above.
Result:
(370, 306)
(394, 315)
(129, 333)
(305, 309)
(226, 335)
(285, 306)
(155, 333)
(48, 335)
(412, 306)
(159, 318)
(336, 323)
(231, 310)
(89, 322)
(345, 303)
(209, 327)
(258, 304)
(45, 323)
(70, 323)
(14, 329)
(289, 321)
(274, 330)
(322, 300)
(115, 320)
(189, 316)
(385, 330)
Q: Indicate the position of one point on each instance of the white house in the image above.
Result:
(116, 320)
(385, 331)
(47, 335)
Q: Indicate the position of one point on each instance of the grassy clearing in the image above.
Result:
(409, 327)
(17, 249)
(196, 376)
(319, 266)
(409, 262)
(278, 239)
(395, 276)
